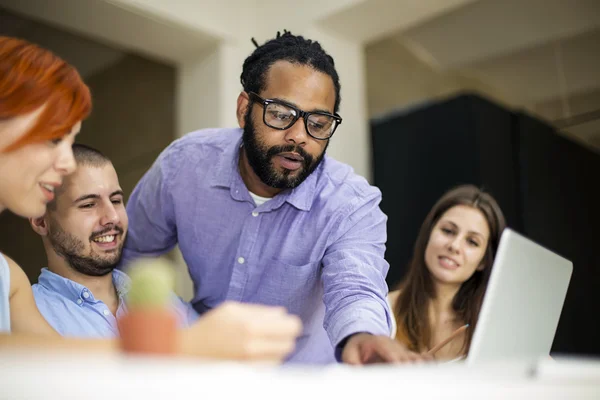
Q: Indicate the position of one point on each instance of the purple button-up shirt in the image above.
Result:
(317, 249)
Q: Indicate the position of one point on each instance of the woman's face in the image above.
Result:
(457, 245)
(31, 173)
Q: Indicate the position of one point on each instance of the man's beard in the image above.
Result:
(260, 159)
(70, 248)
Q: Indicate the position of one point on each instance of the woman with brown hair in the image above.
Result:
(42, 103)
(447, 277)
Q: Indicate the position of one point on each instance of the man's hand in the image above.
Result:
(364, 348)
(245, 332)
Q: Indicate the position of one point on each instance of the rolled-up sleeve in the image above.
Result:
(354, 271)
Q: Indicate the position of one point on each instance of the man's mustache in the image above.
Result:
(290, 148)
(106, 230)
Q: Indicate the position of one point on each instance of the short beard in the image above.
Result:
(260, 159)
(70, 248)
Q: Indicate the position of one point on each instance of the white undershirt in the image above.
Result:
(258, 200)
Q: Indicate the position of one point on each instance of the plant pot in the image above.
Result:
(151, 331)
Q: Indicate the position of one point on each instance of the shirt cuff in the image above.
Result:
(369, 317)
(339, 349)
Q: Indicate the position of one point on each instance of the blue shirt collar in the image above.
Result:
(74, 291)
(226, 174)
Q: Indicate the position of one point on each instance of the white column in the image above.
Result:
(199, 92)
(208, 85)
(351, 143)
(232, 56)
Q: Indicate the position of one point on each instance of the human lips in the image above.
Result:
(107, 240)
(448, 262)
(290, 161)
(292, 156)
(48, 189)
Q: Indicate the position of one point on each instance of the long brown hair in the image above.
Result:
(416, 289)
(31, 77)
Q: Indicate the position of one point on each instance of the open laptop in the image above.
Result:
(522, 303)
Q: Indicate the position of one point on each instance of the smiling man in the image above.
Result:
(80, 293)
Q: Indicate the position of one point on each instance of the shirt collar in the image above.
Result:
(74, 291)
(227, 164)
(302, 197)
(121, 281)
(226, 174)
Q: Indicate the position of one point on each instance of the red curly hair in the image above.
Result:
(31, 77)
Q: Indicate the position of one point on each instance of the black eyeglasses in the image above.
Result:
(279, 115)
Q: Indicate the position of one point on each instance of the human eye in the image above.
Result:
(447, 231)
(473, 242)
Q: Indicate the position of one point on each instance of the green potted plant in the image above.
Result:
(149, 326)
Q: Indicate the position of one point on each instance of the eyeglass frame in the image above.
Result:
(299, 114)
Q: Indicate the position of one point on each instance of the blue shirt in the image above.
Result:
(72, 310)
(317, 250)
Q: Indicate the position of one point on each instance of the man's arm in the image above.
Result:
(354, 271)
(358, 318)
(152, 228)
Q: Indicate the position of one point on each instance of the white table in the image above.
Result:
(26, 375)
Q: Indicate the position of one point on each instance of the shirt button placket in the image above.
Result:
(239, 275)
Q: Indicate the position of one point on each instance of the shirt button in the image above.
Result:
(255, 213)
(106, 312)
(79, 301)
(86, 295)
(241, 260)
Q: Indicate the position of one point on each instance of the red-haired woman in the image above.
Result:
(448, 274)
(42, 103)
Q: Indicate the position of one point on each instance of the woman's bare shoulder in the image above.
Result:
(18, 279)
(393, 296)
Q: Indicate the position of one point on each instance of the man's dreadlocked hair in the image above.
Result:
(291, 48)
